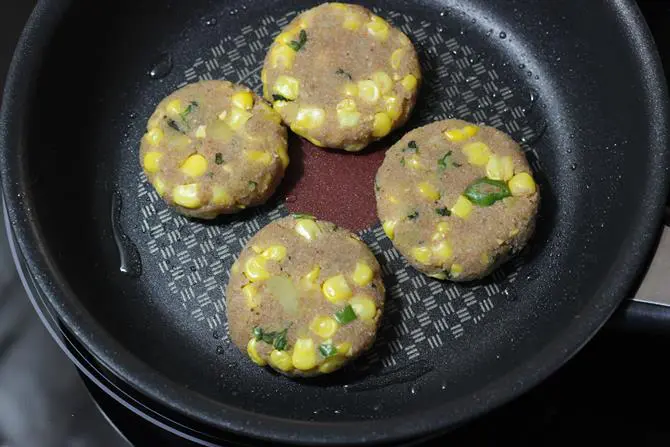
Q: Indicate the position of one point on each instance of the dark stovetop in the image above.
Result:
(612, 391)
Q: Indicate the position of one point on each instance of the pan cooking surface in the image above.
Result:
(187, 263)
(444, 352)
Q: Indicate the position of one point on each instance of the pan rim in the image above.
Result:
(132, 370)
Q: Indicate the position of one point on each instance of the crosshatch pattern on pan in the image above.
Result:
(421, 314)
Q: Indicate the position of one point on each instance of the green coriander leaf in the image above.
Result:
(444, 162)
(343, 73)
(280, 342)
(257, 333)
(327, 350)
(443, 211)
(280, 98)
(413, 215)
(297, 45)
(218, 158)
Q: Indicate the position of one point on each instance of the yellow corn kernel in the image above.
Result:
(310, 118)
(174, 107)
(282, 151)
(350, 89)
(287, 86)
(281, 360)
(383, 81)
(151, 161)
(159, 186)
(439, 275)
(455, 135)
(287, 37)
(362, 274)
(262, 157)
(456, 270)
(282, 56)
(500, 168)
(514, 232)
(250, 292)
(309, 281)
(442, 251)
(324, 326)
(470, 131)
(442, 228)
(421, 254)
(194, 166)
(389, 228)
(382, 125)
(429, 191)
(409, 83)
(413, 162)
(393, 107)
(462, 208)
(345, 348)
(275, 253)
(368, 91)
(352, 22)
(336, 289)
(201, 131)
(187, 195)
(256, 249)
(221, 197)
(348, 118)
(478, 153)
(252, 350)
(396, 58)
(485, 259)
(364, 307)
(154, 136)
(378, 28)
(238, 118)
(331, 364)
(304, 354)
(522, 184)
(243, 100)
(307, 228)
(255, 269)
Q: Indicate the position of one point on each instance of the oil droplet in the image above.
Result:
(510, 295)
(522, 66)
(443, 387)
(502, 35)
(216, 335)
(573, 166)
(129, 256)
(162, 68)
(377, 407)
(412, 390)
(210, 22)
(489, 32)
(337, 411)
(220, 350)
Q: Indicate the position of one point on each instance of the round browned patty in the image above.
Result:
(341, 76)
(305, 297)
(214, 148)
(456, 199)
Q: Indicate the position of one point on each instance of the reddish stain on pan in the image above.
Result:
(333, 185)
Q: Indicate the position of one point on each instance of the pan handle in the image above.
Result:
(649, 310)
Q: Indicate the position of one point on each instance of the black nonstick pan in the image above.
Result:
(577, 83)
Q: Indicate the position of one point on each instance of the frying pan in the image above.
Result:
(578, 84)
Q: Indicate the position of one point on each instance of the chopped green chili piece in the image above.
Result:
(257, 333)
(444, 162)
(485, 192)
(327, 350)
(277, 339)
(280, 342)
(346, 315)
(297, 45)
